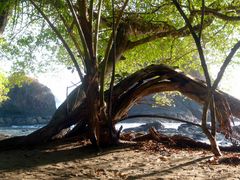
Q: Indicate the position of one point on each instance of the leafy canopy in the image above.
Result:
(3, 87)
(156, 34)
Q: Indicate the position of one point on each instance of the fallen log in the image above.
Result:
(180, 141)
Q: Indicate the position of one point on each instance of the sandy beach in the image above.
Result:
(146, 160)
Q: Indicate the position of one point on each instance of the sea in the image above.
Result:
(25, 130)
(19, 130)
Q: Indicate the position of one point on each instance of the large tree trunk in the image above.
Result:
(152, 79)
(3, 20)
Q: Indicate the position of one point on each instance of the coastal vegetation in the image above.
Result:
(123, 51)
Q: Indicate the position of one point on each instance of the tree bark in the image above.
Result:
(3, 20)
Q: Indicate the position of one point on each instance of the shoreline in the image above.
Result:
(3, 136)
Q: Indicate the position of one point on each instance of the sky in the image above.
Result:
(230, 82)
(61, 83)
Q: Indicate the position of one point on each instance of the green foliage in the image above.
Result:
(163, 99)
(8, 82)
(176, 52)
(18, 79)
(32, 51)
(6, 4)
(3, 87)
(31, 45)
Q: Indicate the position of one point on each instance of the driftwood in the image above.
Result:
(179, 141)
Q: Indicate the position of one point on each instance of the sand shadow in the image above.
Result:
(168, 170)
(24, 159)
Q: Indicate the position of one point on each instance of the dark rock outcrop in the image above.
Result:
(144, 127)
(182, 107)
(29, 104)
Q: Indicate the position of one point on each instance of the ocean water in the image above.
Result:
(19, 130)
(25, 130)
(132, 125)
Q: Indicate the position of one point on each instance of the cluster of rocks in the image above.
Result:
(144, 127)
(182, 108)
(188, 130)
(32, 103)
(21, 121)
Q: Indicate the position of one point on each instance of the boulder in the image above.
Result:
(236, 129)
(181, 107)
(2, 122)
(28, 104)
(7, 121)
(18, 121)
(31, 121)
(31, 99)
(144, 128)
(42, 120)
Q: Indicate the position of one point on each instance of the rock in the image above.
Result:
(27, 105)
(182, 107)
(189, 129)
(169, 131)
(236, 128)
(42, 120)
(144, 128)
(2, 121)
(198, 136)
(18, 121)
(32, 99)
(7, 121)
(157, 125)
(39, 118)
(31, 121)
(21, 121)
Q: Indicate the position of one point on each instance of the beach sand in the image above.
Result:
(79, 160)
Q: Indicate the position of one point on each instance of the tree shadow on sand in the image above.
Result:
(168, 170)
(54, 153)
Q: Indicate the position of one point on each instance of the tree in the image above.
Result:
(99, 35)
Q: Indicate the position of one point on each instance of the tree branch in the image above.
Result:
(60, 38)
(108, 49)
(225, 64)
(70, 32)
(182, 32)
(197, 41)
(81, 34)
(202, 19)
(97, 28)
(215, 13)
